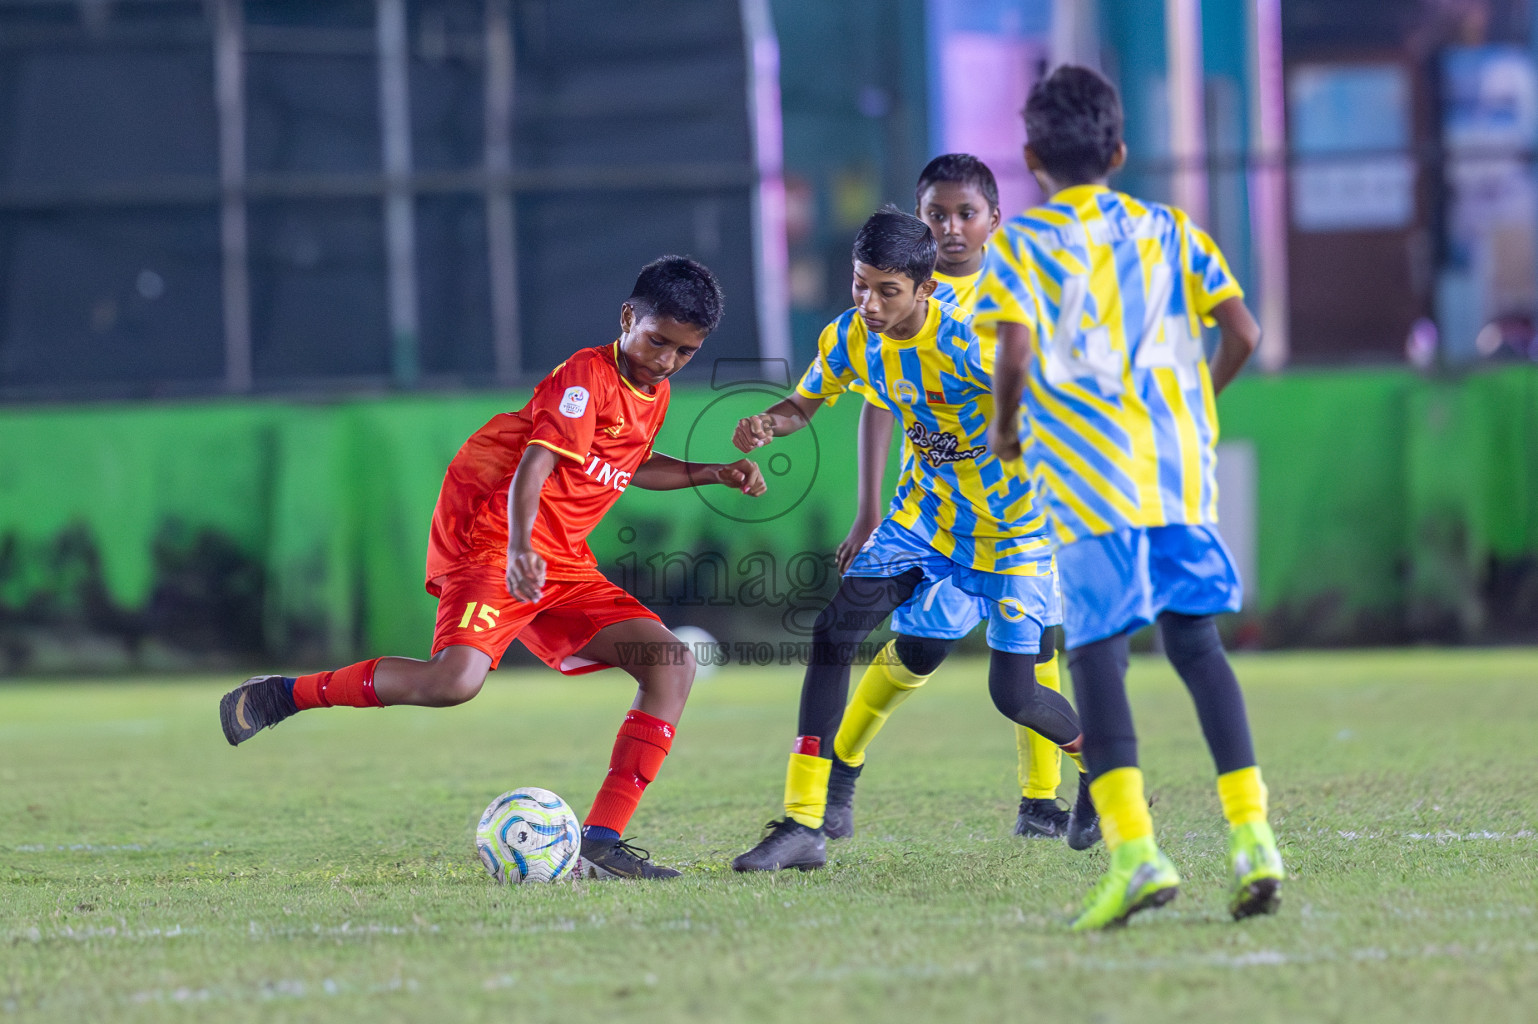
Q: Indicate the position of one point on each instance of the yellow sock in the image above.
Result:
(1118, 796)
(806, 789)
(1078, 759)
(1243, 796)
(885, 684)
(1041, 760)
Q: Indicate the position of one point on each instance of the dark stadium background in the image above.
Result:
(263, 265)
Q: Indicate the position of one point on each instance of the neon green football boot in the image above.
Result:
(1140, 877)
(1257, 868)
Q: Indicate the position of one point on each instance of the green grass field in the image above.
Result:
(325, 871)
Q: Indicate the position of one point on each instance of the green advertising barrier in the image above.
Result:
(299, 530)
(1393, 508)
(1389, 508)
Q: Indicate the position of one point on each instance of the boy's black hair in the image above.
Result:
(898, 243)
(680, 289)
(1073, 123)
(963, 169)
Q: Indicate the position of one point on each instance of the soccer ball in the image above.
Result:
(702, 645)
(528, 835)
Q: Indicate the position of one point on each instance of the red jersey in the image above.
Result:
(603, 428)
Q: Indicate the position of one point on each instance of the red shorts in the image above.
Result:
(475, 609)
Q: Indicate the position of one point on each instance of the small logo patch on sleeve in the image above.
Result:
(574, 402)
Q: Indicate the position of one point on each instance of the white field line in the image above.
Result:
(123, 932)
(1058, 963)
(289, 988)
(1283, 833)
(299, 990)
(284, 988)
(77, 848)
(95, 932)
(1441, 836)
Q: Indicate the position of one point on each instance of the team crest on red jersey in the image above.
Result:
(574, 402)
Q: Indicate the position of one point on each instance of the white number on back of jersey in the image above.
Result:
(1167, 340)
(1073, 354)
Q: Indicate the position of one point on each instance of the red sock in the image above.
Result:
(351, 687)
(642, 743)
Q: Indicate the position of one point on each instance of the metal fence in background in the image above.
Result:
(261, 196)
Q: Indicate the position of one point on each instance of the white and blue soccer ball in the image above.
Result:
(707, 653)
(528, 835)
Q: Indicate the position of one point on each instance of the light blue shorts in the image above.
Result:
(953, 598)
(943, 611)
(1123, 580)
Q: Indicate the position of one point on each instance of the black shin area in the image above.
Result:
(1099, 672)
(1012, 685)
(921, 655)
(1195, 649)
(861, 604)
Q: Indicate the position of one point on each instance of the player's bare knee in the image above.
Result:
(462, 686)
(673, 679)
(452, 680)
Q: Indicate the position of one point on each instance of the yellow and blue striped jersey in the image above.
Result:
(958, 291)
(1118, 397)
(973, 508)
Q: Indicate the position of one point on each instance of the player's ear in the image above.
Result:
(1032, 161)
(1118, 158)
(626, 318)
(994, 219)
(926, 288)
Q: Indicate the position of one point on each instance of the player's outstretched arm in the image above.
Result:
(1238, 337)
(1009, 363)
(786, 416)
(876, 426)
(525, 566)
(665, 473)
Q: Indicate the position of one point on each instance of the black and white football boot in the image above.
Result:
(1041, 819)
(838, 818)
(616, 858)
(1083, 820)
(260, 702)
(789, 844)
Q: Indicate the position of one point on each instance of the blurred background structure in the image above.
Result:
(278, 196)
(265, 263)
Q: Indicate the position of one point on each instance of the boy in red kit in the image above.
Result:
(508, 557)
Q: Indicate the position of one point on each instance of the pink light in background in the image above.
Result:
(772, 258)
(984, 81)
(1268, 179)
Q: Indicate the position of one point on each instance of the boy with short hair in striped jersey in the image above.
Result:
(1097, 300)
(958, 198)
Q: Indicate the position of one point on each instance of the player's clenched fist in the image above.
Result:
(1004, 439)
(525, 575)
(744, 475)
(753, 432)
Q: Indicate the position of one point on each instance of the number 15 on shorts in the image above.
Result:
(487, 614)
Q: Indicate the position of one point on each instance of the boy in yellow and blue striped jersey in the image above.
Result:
(958, 198)
(1097, 300)
(960, 515)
